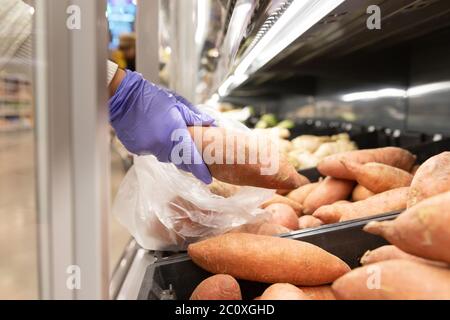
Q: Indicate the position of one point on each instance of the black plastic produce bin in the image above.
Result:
(176, 277)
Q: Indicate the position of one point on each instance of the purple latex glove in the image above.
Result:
(145, 116)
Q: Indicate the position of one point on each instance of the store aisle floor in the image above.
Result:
(18, 247)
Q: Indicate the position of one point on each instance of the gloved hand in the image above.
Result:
(144, 117)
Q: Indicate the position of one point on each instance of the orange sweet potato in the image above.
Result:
(270, 229)
(378, 177)
(307, 221)
(422, 230)
(392, 200)
(333, 165)
(390, 252)
(217, 287)
(299, 195)
(361, 193)
(283, 291)
(298, 208)
(328, 191)
(394, 280)
(234, 157)
(267, 259)
(262, 228)
(319, 293)
(432, 177)
(283, 215)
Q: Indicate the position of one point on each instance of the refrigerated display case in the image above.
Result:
(319, 64)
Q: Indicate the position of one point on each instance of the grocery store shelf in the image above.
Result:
(282, 27)
(304, 39)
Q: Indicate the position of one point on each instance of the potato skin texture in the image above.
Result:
(319, 293)
(283, 291)
(306, 222)
(298, 208)
(283, 215)
(392, 200)
(396, 157)
(431, 178)
(378, 177)
(361, 193)
(217, 287)
(299, 195)
(328, 191)
(391, 252)
(267, 259)
(398, 280)
(422, 230)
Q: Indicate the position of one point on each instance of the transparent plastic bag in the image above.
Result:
(166, 209)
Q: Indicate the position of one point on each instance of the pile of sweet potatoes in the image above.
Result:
(295, 270)
(357, 184)
(417, 263)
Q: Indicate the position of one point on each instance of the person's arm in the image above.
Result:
(115, 78)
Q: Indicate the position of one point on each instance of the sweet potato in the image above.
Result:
(299, 195)
(433, 177)
(298, 208)
(223, 189)
(319, 293)
(394, 280)
(217, 287)
(414, 169)
(328, 191)
(333, 165)
(237, 158)
(422, 230)
(305, 222)
(283, 192)
(361, 193)
(283, 291)
(283, 215)
(390, 252)
(267, 259)
(330, 213)
(262, 228)
(378, 177)
(270, 229)
(385, 202)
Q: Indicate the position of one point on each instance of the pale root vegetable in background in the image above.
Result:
(332, 166)
(361, 193)
(307, 221)
(267, 259)
(433, 177)
(422, 230)
(283, 291)
(226, 147)
(283, 215)
(390, 252)
(299, 195)
(319, 293)
(378, 177)
(217, 287)
(298, 208)
(328, 191)
(389, 201)
(394, 280)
